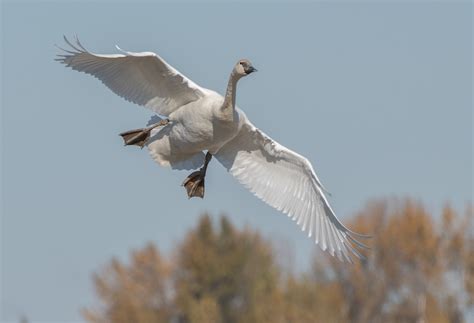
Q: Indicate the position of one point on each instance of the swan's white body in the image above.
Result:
(200, 120)
(194, 128)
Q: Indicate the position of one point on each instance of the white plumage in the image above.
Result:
(203, 120)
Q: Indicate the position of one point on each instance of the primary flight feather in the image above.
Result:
(199, 120)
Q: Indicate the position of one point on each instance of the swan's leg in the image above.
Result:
(140, 136)
(194, 183)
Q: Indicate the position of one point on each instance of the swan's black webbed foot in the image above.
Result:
(194, 183)
(139, 137)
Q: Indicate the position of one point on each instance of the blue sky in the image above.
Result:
(377, 96)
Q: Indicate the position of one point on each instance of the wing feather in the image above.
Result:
(287, 182)
(142, 78)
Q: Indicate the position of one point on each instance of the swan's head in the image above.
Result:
(244, 68)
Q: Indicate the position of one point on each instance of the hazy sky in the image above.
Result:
(377, 96)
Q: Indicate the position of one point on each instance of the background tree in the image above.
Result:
(229, 270)
(419, 270)
(223, 275)
(138, 292)
(412, 274)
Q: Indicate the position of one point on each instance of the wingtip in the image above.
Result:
(78, 42)
(360, 235)
(326, 191)
(120, 49)
(70, 44)
(358, 243)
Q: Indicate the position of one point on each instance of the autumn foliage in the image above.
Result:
(420, 269)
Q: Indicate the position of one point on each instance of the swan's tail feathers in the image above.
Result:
(179, 161)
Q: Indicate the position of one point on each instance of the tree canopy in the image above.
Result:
(418, 270)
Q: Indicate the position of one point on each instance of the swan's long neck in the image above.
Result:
(229, 101)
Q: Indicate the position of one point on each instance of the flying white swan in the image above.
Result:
(197, 120)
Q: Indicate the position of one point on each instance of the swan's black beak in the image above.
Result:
(250, 70)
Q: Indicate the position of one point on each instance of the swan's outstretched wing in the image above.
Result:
(287, 181)
(142, 78)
